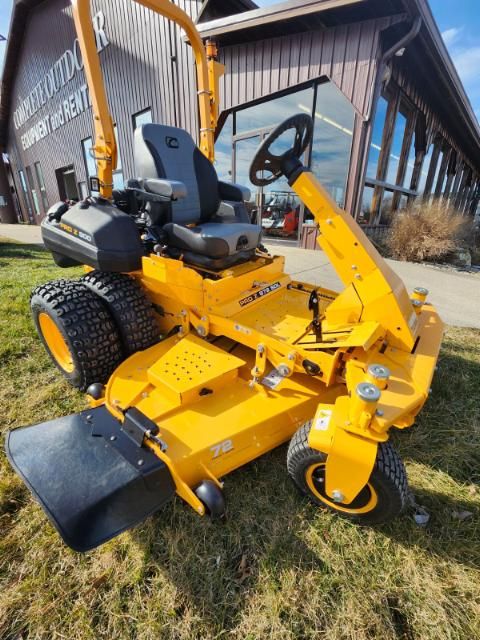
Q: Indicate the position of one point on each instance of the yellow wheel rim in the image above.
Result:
(56, 343)
(366, 500)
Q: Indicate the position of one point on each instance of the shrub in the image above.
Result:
(427, 231)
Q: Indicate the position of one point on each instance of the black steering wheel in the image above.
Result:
(265, 162)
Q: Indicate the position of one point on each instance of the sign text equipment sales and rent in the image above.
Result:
(57, 77)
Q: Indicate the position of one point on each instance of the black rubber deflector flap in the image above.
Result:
(92, 487)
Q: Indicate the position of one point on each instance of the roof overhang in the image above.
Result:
(268, 15)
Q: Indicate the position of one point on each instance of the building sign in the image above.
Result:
(57, 77)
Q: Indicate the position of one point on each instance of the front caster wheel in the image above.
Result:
(212, 497)
(382, 498)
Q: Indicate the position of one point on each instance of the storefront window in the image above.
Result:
(223, 151)
(26, 195)
(143, 117)
(386, 208)
(396, 148)
(332, 140)
(90, 164)
(407, 180)
(269, 114)
(437, 172)
(83, 190)
(41, 185)
(366, 216)
(424, 172)
(244, 152)
(377, 134)
(118, 181)
(33, 191)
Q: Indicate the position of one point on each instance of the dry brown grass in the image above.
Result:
(427, 231)
(279, 568)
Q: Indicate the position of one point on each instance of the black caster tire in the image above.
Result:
(213, 499)
(381, 500)
(129, 307)
(77, 332)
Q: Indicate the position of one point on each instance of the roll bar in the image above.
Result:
(208, 74)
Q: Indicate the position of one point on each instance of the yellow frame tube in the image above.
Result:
(207, 80)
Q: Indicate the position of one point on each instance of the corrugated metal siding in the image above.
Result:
(347, 55)
(139, 73)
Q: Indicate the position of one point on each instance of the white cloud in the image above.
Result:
(450, 36)
(465, 54)
(467, 62)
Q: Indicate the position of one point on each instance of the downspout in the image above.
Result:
(402, 43)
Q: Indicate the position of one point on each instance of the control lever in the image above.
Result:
(313, 305)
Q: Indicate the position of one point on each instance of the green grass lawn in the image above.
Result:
(279, 567)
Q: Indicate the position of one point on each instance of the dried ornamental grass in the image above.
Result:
(427, 231)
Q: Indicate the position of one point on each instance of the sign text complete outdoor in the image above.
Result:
(58, 76)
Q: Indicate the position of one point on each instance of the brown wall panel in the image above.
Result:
(346, 54)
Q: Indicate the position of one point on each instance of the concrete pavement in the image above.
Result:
(26, 233)
(456, 294)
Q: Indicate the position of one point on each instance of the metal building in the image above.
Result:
(392, 120)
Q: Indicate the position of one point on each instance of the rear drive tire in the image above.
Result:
(77, 332)
(382, 498)
(129, 307)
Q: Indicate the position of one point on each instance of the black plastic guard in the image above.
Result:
(92, 487)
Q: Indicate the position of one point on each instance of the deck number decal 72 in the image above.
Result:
(221, 447)
(259, 294)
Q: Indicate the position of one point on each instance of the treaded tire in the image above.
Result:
(129, 307)
(388, 479)
(86, 327)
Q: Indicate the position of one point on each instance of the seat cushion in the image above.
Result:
(212, 239)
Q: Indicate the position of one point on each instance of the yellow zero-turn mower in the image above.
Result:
(198, 352)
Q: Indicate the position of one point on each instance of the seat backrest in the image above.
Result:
(170, 153)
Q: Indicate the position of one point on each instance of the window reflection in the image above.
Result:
(269, 114)
(407, 181)
(437, 172)
(244, 152)
(223, 151)
(141, 118)
(281, 212)
(424, 172)
(386, 208)
(365, 216)
(396, 148)
(332, 140)
(90, 164)
(377, 133)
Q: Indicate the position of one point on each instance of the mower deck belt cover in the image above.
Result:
(92, 480)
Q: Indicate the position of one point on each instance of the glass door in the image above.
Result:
(276, 208)
(243, 152)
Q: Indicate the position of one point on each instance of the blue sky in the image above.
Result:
(458, 20)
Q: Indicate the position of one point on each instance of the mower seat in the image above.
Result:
(202, 219)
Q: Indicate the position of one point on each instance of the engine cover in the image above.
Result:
(98, 235)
